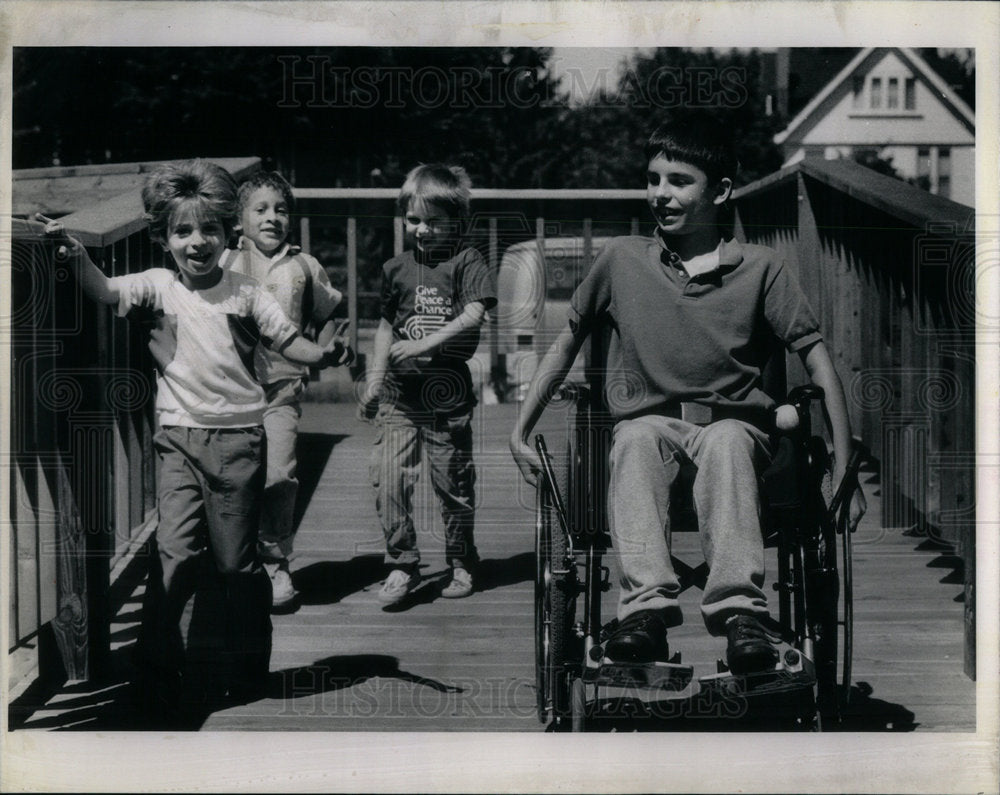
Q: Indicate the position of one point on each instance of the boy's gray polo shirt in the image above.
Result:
(702, 339)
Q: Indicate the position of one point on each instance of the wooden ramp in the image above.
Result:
(342, 663)
(432, 664)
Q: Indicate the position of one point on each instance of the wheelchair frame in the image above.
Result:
(571, 536)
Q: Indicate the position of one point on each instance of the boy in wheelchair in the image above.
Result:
(690, 314)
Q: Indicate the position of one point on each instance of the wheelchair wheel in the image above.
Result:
(830, 605)
(554, 605)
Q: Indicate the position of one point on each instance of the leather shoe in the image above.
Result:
(640, 638)
(749, 648)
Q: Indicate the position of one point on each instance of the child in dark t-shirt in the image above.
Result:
(434, 300)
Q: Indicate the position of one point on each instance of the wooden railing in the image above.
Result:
(500, 219)
(83, 481)
(890, 271)
(885, 266)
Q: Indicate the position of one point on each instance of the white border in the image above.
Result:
(251, 762)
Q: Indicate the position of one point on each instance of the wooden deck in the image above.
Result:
(342, 663)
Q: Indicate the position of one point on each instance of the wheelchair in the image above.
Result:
(800, 518)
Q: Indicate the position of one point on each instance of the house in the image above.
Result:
(888, 103)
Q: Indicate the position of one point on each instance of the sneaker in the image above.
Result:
(283, 592)
(749, 647)
(460, 585)
(639, 638)
(397, 585)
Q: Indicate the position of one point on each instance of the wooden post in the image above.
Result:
(352, 278)
(969, 607)
(397, 236)
(497, 375)
(543, 285)
(808, 258)
(305, 241)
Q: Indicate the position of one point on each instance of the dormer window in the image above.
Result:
(883, 94)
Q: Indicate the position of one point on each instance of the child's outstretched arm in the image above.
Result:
(334, 333)
(548, 378)
(823, 374)
(96, 286)
(302, 351)
(471, 317)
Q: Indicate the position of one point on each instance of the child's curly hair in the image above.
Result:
(174, 184)
(448, 187)
(266, 179)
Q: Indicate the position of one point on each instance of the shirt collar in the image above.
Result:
(730, 252)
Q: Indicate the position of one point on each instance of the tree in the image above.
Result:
(325, 115)
(605, 138)
(957, 68)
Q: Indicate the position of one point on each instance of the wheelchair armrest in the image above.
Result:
(801, 395)
(793, 415)
(574, 391)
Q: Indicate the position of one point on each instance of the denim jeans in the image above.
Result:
(647, 455)
(281, 486)
(395, 467)
(208, 599)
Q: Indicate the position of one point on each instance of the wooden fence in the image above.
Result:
(889, 269)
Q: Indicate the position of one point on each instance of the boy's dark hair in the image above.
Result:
(701, 139)
(174, 184)
(266, 179)
(448, 187)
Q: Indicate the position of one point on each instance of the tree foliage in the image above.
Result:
(607, 135)
(364, 116)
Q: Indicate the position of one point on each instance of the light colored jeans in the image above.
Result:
(281, 425)
(395, 466)
(646, 457)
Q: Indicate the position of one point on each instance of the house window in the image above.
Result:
(892, 94)
(910, 94)
(924, 168)
(876, 99)
(944, 172)
(859, 91)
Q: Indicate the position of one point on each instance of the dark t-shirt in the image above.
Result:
(418, 298)
(701, 339)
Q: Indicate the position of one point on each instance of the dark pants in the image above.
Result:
(206, 617)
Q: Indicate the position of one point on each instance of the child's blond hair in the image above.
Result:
(448, 187)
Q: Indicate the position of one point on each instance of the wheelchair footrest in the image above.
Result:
(793, 672)
(655, 675)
